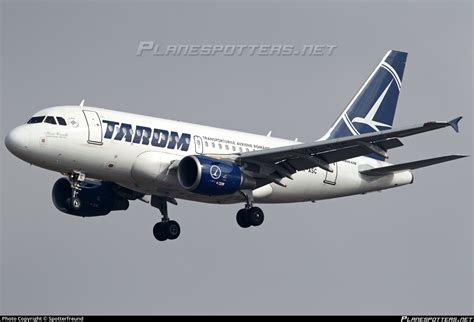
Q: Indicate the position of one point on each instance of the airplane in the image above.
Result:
(109, 158)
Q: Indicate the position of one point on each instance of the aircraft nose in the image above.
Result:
(17, 140)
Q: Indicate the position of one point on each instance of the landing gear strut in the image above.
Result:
(250, 215)
(166, 229)
(76, 178)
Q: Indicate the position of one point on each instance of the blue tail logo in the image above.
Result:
(373, 107)
(369, 118)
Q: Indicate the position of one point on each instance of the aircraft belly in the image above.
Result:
(228, 199)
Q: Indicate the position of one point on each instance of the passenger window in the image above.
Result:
(61, 121)
(220, 146)
(213, 145)
(50, 120)
(36, 119)
(206, 144)
(233, 148)
(240, 149)
(226, 147)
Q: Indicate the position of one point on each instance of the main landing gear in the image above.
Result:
(249, 216)
(76, 178)
(252, 216)
(166, 229)
(169, 229)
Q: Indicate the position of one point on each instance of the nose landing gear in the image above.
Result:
(76, 178)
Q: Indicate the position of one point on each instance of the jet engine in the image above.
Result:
(97, 198)
(209, 176)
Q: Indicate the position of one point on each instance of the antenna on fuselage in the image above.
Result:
(82, 103)
(269, 133)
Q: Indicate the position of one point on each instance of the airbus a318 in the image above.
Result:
(108, 158)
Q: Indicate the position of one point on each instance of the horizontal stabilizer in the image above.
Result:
(410, 165)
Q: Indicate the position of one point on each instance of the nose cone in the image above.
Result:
(17, 141)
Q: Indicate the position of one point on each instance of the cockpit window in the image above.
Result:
(36, 119)
(50, 119)
(61, 121)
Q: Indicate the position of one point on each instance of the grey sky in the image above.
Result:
(406, 250)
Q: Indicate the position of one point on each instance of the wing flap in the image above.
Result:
(410, 165)
(357, 150)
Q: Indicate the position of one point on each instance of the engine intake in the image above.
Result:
(97, 198)
(210, 176)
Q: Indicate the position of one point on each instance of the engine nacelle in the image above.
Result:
(97, 198)
(209, 176)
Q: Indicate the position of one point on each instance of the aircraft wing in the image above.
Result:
(289, 159)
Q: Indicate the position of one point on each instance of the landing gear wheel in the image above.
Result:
(243, 219)
(256, 216)
(172, 229)
(75, 203)
(166, 229)
(159, 231)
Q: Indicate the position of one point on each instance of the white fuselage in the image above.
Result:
(136, 151)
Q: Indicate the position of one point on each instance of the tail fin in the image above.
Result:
(373, 107)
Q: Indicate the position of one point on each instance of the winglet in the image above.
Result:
(455, 123)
